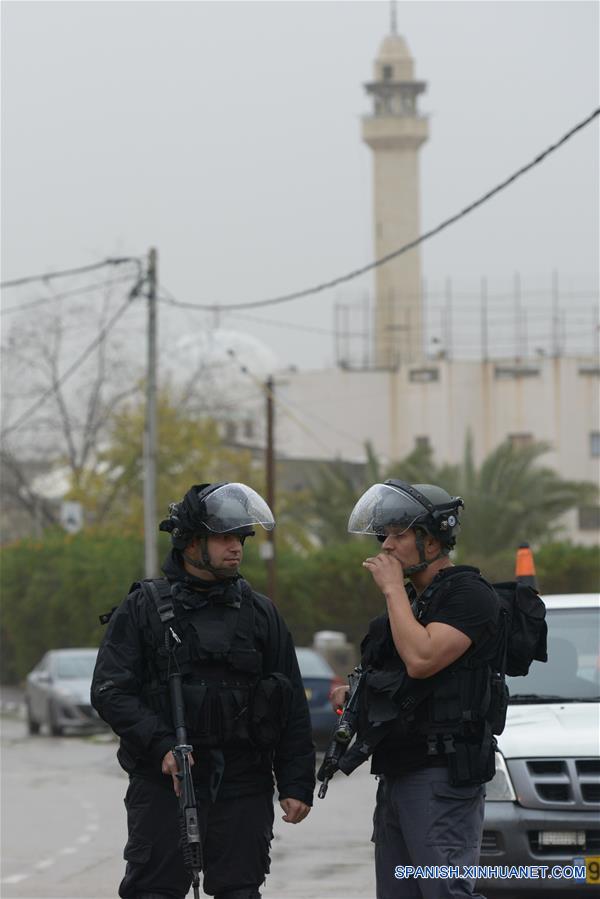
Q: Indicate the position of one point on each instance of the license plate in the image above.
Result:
(592, 868)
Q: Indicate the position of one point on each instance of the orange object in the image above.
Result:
(524, 566)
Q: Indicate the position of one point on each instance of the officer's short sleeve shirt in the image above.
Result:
(464, 600)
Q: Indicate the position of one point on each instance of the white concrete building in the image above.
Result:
(330, 414)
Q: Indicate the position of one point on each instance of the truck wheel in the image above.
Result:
(33, 726)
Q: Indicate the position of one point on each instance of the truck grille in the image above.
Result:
(592, 844)
(588, 771)
(490, 842)
(556, 783)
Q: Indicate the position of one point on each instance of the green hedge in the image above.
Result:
(53, 590)
(568, 568)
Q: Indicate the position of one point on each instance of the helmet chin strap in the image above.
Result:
(204, 563)
(423, 564)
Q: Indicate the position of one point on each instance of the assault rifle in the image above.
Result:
(188, 821)
(343, 731)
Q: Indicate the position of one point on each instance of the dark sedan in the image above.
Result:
(319, 679)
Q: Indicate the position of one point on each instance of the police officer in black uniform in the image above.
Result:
(435, 642)
(245, 707)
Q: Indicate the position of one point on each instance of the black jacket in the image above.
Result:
(122, 672)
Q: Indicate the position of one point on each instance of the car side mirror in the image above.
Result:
(44, 677)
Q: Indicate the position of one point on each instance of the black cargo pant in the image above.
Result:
(236, 838)
(421, 820)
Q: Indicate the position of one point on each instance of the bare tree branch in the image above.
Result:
(73, 421)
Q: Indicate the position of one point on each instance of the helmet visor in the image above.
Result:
(235, 506)
(384, 509)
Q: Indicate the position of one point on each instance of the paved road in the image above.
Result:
(63, 826)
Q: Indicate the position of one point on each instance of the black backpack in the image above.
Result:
(520, 639)
(522, 628)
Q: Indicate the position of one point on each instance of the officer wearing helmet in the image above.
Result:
(246, 713)
(426, 701)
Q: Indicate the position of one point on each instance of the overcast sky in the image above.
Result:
(227, 134)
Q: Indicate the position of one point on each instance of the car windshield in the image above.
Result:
(572, 672)
(75, 666)
(312, 664)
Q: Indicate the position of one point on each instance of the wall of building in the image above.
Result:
(330, 414)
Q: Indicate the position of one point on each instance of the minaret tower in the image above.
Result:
(395, 131)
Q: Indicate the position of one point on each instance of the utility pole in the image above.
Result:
(555, 316)
(484, 320)
(448, 319)
(269, 547)
(150, 431)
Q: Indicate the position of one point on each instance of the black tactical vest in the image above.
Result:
(453, 712)
(212, 643)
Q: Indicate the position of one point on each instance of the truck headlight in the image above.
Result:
(500, 788)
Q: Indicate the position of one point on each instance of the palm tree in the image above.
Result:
(337, 487)
(416, 468)
(510, 498)
(333, 493)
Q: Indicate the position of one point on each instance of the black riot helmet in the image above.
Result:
(397, 506)
(226, 508)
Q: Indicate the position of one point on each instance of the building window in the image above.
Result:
(388, 73)
(520, 440)
(595, 444)
(230, 431)
(589, 518)
(248, 429)
(422, 443)
(423, 375)
(503, 372)
(408, 104)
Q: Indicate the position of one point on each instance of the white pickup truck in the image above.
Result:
(543, 805)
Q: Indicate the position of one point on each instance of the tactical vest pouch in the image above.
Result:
(271, 709)
(248, 661)
(498, 706)
(469, 765)
(379, 702)
(217, 713)
(445, 704)
(233, 709)
(199, 715)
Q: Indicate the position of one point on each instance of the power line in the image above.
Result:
(267, 321)
(48, 276)
(67, 293)
(351, 437)
(72, 368)
(310, 329)
(286, 298)
(502, 317)
(289, 408)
